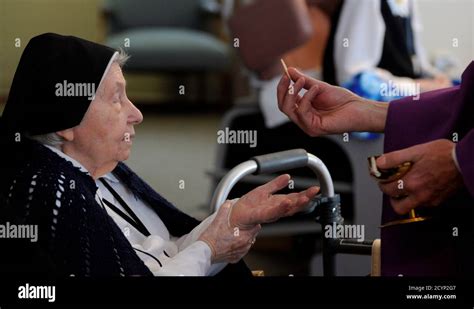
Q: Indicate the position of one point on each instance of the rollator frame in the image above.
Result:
(325, 208)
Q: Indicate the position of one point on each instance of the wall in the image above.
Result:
(445, 20)
(24, 19)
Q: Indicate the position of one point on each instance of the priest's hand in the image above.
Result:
(432, 178)
(326, 109)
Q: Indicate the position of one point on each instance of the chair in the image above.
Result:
(169, 37)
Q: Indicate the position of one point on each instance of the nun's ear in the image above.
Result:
(67, 135)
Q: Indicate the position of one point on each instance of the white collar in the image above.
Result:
(109, 176)
(68, 158)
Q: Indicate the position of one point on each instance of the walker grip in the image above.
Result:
(280, 161)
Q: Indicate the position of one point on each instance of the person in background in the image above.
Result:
(378, 42)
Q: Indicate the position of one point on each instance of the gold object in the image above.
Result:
(375, 270)
(389, 175)
(412, 218)
(258, 273)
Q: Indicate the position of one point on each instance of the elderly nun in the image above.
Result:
(66, 128)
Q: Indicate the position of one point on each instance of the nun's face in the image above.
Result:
(104, 137)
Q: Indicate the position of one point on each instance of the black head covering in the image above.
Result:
(49, 62)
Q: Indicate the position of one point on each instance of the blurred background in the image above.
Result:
(198, 67)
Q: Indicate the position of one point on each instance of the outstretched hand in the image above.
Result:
(261, 205)
(236, 225)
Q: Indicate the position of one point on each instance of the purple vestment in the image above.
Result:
(443, 245)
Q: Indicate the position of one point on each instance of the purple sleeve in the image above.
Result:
(465, 156)
(434, 115)
(439, 114)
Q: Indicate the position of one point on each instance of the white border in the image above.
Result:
(106, 70)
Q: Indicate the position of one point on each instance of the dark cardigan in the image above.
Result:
(74, 231)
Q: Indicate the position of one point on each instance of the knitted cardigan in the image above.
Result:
(75, 231)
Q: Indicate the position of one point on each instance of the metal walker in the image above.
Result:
(325, 207)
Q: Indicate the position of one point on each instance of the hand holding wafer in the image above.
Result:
(285, 68)
(322, 109)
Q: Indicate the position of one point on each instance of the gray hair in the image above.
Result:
(122, 58)
(55, 140)
(50, 139)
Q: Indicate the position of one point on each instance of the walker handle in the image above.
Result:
(281, 161)
(272, 163)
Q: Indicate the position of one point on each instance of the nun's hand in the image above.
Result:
(227, 243)
(261, 205)
(432, 178)
(326, 109)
